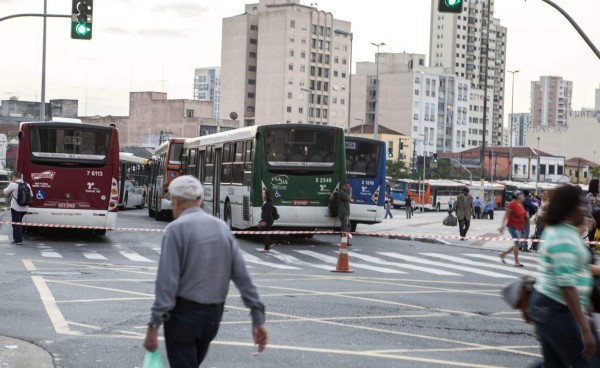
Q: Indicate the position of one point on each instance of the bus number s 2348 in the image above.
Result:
(323, 180)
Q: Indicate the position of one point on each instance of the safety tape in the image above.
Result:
(294, 232)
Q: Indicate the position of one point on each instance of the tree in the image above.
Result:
(396, 169)
(595, 172)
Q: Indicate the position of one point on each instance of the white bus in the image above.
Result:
(133, 181)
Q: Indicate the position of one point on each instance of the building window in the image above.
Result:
(250, 95)
(342, 101)
(291, 66)
(251, 68)
(253, 41)
(416, 117)
(292, 24)
(253, 28)
(252, 81)
(189, 113)
(289, 109)
(252, 55)
(560, 170)
(303, 54)
(289, 95)
(291, 53)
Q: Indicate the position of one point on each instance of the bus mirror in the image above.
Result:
(166, 190)
(20, 135)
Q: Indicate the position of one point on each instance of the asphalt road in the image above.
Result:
(408, 304)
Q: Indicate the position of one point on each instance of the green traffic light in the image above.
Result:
(82, 29)
(390, 155)
(452, 2)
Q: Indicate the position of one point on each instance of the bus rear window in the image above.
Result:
(305, 148)
(175, 153)
(70, 144)
(362, 159)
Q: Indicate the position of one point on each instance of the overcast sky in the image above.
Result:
(153, 45)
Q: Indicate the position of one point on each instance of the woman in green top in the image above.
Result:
(559, 303)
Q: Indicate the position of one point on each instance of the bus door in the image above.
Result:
(217, 183)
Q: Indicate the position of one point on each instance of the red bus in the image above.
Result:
(165, 166)
(73, 170)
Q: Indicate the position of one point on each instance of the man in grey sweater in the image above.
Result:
(199, 256)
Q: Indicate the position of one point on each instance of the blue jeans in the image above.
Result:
(388, 212)
(515, 234)
(559, 334)
(17, 216)
(189, 330)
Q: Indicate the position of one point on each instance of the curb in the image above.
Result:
(20, 353)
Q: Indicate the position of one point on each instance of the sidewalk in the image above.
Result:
(429, 224)
(16, 353)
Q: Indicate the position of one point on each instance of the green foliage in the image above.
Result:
(595, 172)
(396, 169)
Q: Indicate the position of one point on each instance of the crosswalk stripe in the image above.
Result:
(382, 262)
(156, 249)
(94, 256)
(329, 259)
(497, 266)
(286, 258)
(253, 259)
(133, 256)
(446, 265)
(51, 254)
(533, 260)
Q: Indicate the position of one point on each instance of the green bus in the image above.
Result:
(302, 165)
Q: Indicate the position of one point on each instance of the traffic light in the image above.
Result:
(390, 151)
(450, 6)
(435, 158)
(400, 145)
(81, 19)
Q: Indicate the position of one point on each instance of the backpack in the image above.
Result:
(23, 194)
(275, 214)
(333, 205)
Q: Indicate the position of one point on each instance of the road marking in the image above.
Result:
(50, 254)
(156, 249)
(293, 260)
(402, 265)
(56, 317)
(133, 256)
(333, 260)
(498, 265)
(94, 256)
(446, 265)
(253, 259)
(497, 259)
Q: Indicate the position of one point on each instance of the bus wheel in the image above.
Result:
(353, 225)
(228, 219)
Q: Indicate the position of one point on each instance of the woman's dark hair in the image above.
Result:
(593, 186)
(564, 201)
(268, 196)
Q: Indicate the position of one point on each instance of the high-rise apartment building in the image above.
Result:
(471, 45)
(430, 107)
(520, 123)
(206, 87)
(284, 62)
(550, 102)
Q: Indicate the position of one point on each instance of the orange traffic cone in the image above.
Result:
(342, 263)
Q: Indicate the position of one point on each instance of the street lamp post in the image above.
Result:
(362, 123)
(510, 126)
(350, 34)
(537, 177)
(424, 160)
(376, 127)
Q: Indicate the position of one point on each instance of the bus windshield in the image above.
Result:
(56, 145)
(362, 159)
(306, 148)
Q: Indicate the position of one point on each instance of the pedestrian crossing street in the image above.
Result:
(454, 265)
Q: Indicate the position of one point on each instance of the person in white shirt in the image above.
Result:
(16, 210)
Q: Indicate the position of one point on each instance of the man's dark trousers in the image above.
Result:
(17, 216)
(463, 226)
(189, 331)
